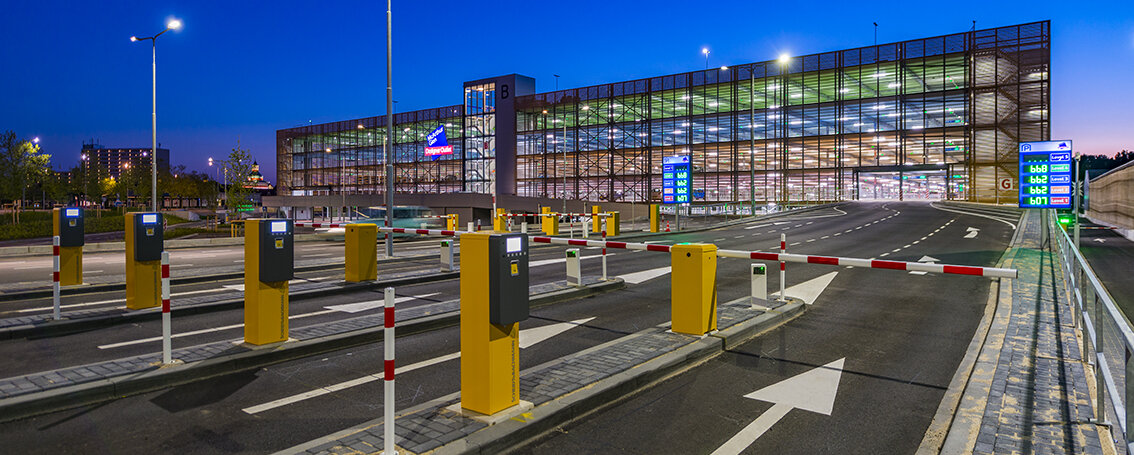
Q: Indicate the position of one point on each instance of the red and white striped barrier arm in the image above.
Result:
(321, 225)
(800, 258)
(422, 231)
(992, 272)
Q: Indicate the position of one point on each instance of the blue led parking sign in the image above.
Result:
(1045, 175)
(675, 179)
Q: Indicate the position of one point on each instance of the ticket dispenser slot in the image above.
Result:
(149, 232)
(508, 286)
(277, 252)
(67, 223)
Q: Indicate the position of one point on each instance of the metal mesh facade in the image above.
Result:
(940, 116)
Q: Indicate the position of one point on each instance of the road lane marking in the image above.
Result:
(359, 307)
(556, 261)
(645, 275)
(528, 338)
(203, 331)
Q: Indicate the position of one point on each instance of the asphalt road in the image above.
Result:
(900, 337)
(921, 341)
(1111, 256)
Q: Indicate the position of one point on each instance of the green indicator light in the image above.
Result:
(1064, 220)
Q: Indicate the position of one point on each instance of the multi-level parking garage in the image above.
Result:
(934, 118)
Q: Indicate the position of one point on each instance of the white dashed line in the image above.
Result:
(793, 244)
(883, 255)
(895, 250)
(810, 240)
(826, 236)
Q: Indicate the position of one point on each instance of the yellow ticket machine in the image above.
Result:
(494, 299)
(67, 223)
(144, 245)
(269, 262)
(361, 252)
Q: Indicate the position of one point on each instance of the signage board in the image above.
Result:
(676, 179)
(436, 144)
(1045, 174)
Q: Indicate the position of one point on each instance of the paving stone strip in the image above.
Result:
(194, 301)
(1039, 401)
(43, 381)
(433, 426)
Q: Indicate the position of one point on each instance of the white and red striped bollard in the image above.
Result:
(604, 250)
(166, 329)
(388, 399)
(55, 278)
(783, 267)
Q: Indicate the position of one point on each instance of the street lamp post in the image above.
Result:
(752, 140)
(389, 134)
(173, 24)
(705, 50)
(783, 158)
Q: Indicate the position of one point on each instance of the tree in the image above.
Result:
(237, 167)
(21, 163)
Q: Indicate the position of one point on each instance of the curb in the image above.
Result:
(39, 294)
(95, 392)
(68, 326)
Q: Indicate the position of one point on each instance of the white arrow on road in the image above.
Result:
(528, 338)
(766, 225)
(927, 259)
(972, 233)
(645, 275)
(811, 391)
(808, 291)
(1100, 240)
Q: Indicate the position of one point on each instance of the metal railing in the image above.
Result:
(1109, 339)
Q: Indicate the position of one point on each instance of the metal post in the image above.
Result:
(166, 330)
(388, 422)
(153, 152)
(389, 127)
(55, 278)
(783, 267)
(1075, 197)
(604, 250)
(752, 139)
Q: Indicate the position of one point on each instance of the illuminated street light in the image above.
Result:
(173, 24)
(705, 50)
(784, 58)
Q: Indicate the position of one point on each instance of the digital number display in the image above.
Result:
(675, 179)
(1045, 174)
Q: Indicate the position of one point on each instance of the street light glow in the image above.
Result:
(35, 140)
(724, 68)
(133, 39)
(705, 50)
(174, 24)
(784, 58)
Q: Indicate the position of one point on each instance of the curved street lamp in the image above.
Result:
(173, 24)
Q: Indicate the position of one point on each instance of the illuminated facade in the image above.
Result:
(929, 118)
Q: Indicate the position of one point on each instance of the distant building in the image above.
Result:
(112, 161)
(256, 180)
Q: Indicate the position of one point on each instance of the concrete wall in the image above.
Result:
(1111, 197)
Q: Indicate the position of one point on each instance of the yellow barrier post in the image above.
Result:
(67, 223)
(500, 221)
(144, 232)
(693, 290)
(268, 265)
(549, 221)
(596, 221)
(361, 252)
(613, 223)
(655, 218)
(451, 222)
(494, 291)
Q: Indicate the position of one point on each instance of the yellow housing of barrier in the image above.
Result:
(143, 278)
(70, 257)
(613, 223)
(500, 220)
(655, 218)
(548, 222)
(361, 252)
(596, 221)
(490, 354)
(693, 290)
(451, 222)
(265, 304)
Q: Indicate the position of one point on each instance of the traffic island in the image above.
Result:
(67, 388)
(562, 390)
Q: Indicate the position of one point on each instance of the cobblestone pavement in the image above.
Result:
(63, 377)
(1039, 401)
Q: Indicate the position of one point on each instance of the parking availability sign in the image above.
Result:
(1045, 175)
(675, 179)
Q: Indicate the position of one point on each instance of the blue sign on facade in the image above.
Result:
(436, 144)
(1045, 174)
(676, 180)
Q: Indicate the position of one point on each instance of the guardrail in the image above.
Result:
(1109, 339)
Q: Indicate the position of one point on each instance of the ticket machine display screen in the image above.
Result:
(71, 213)
(279, 227)
(149, 218)
(514, 245)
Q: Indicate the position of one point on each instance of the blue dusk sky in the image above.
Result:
(242, 70)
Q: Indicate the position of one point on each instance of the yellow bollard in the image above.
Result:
(144, 232)
(655, 218)
(500, 221)
(361, 252)
(693, 290)
(494, 287)
(596, 221)
(67, 223)
(268, 265)
(613, 223)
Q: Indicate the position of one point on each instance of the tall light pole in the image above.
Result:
(173, 24)
(389, 126)
(705, 50)
(564, 151)
(783, 61)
